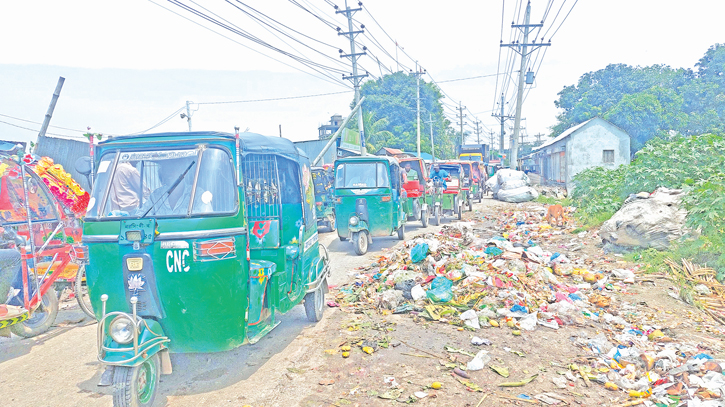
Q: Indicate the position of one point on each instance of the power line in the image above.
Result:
(471, 77)
(30, 121)
(273, 99)
(325, 78)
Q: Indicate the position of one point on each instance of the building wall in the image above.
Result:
(584, 148)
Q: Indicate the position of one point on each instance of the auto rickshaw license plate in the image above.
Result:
(134, 263)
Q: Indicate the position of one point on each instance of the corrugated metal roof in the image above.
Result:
(312, 149)
(65, 152)
(563, 135)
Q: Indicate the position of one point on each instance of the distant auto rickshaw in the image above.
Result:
(472, 182)
(369, 199)
(195, 241)
(323, 179)
(415, 178)
(447, 197)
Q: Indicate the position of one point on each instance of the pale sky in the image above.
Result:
(129, 65)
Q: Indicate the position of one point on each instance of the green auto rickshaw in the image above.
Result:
(323, 179)
(470, 185)
(194, 241)
(415, 178)
(369, 199)
(447, 197)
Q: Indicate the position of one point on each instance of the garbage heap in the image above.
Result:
(511, 186)
(459, 278)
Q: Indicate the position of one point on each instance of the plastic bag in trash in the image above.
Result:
(417, 292)
(405, 287)
(441, 290)
(418, 253)
(479, 361)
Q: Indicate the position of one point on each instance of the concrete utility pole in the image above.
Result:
(460, 117)
(538, 138)
(490, 148)
(418, 73)
(432, 146)
(356, 79)
(521, 48)
(478, 132)
(51, 108)
(502, 118)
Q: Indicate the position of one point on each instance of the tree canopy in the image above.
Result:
(650, 101)
(389, 115)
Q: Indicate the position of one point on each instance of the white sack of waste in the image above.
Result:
(518, 183)
(523, 194)
(507, 174)
(647, 222)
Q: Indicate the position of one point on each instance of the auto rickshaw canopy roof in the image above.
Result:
(370, 158)
(249, 143)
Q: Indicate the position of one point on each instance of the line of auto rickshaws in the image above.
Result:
(372, 196)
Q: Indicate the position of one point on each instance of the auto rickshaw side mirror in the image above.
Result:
(83, 165)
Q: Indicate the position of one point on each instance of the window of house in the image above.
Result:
(608, 156)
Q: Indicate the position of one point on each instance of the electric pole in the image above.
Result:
(187, 116)
(502, 118)
(538, 138)
(490, 148)
(356, 79)
(432, 146)
(418, 73)
(521, 49)
(460, 117)
(478, 132)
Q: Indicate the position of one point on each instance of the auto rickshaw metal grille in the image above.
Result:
(262, 191)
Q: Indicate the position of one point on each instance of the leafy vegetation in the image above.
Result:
(651, 101)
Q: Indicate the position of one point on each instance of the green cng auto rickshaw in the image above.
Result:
(470, 186)
(447, 197)
(369, 199)
(324, 196)
(194, 240)
(415, 177)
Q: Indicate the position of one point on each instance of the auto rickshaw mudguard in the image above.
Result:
(151, 340)
(361, 226)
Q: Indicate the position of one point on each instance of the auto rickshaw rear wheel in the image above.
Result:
(401, 232)
(315, 303)
(41, 319)
(360, 242)
(331, 222)
(136, 386)
(81, 291)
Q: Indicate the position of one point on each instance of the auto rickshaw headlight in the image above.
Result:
(122, 330)
(354, 220)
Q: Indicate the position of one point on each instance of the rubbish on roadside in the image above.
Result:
(390, 381)
(519, 383)
(461, 373)
(503, 371)
(440, 290)
(480, 341)
(419, 252)
(420, 394)
(653, 222)
(417, 292)
(479, 361)
(436, 385)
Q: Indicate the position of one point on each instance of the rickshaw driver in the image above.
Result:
(409, 173)
(438, 173)
(177, 201)
(124, 188)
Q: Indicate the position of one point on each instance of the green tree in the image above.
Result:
(390, 102)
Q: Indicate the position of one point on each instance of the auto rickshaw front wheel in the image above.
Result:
(424, 218)
(401, 232)
(81, 291)
(136, 386)
(438, 215)
(360, 242)
(470, 204)
(315, 303)
(41, 319)
(460, 211)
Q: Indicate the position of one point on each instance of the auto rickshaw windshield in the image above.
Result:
(362, 175)
(164, 183)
